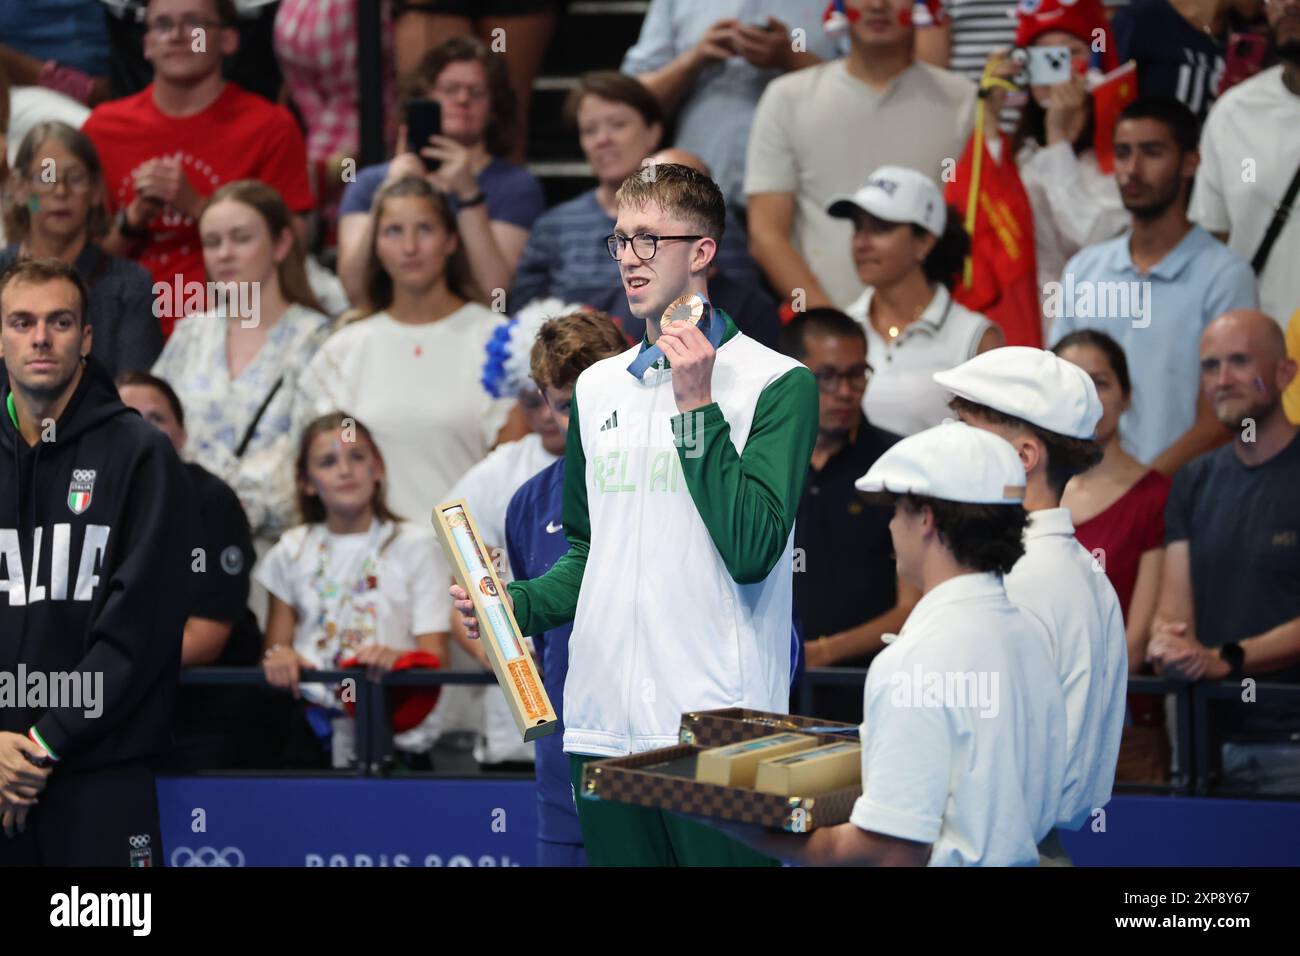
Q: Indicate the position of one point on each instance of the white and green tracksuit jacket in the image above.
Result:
(681, 531)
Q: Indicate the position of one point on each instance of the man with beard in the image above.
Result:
(1229, 607)
(1250, 164)
(1154, 288)
(95, 531)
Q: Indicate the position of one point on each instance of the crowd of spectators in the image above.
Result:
(195, 161)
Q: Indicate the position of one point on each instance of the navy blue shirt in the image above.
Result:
(1173, 57)
(534, 541)
(844, 569)
(1242, 527)
(72, 32)
(848, 575)
(513, 193)
(128, 337)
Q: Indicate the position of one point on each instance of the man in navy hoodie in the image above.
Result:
(94, 587)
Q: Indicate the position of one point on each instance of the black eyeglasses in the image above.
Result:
(164, 26)
(643, 244)
(828, 379)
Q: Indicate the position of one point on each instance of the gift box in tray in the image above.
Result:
(665, 779)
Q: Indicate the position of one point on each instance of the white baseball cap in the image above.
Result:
(1032, 384)
(896, 194)
(952, 461)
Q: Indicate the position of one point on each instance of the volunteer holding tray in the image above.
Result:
(685, 462)
(971, 776)
(1048, 409)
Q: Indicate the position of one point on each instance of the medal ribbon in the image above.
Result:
(709, 324)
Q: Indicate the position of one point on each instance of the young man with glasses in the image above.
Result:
(685, 460)
(170, 146)
(838, 537)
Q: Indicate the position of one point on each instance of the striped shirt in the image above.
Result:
(981, 26)
(978, 28)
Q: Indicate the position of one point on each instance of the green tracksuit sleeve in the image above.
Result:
(552, 599)
(749, 501)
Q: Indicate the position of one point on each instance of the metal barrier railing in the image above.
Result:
(1181, 781)
(1196, 771)
(374, 736)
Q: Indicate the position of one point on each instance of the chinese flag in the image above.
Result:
(1003, 282)
(1114, 91)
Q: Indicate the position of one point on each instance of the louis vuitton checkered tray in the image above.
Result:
(665, 779)
(730, 725)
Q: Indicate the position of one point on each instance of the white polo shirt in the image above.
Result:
(902, 395)
(1062, 584)
(963, 735)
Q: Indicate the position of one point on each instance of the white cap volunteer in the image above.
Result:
(1032, 384)
(1058, 579)
(896, 194)
(977, 776)
(953, 462)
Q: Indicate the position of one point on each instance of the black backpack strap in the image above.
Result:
(1275, 227)
(252, 426)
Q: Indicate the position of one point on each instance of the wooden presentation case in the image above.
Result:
(498, 630)
(665, 779)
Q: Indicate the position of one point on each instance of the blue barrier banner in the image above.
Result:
(321, 821)
(1188, 831)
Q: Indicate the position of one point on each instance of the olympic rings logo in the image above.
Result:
(207, 856)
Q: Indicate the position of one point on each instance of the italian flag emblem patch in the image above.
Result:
(80, 490)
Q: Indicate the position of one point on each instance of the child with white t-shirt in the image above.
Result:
(352, 581)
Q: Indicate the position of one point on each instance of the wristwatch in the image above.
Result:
(472, 201)
(124, 227)
(1233, 655)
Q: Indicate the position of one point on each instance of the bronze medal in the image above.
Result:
(686, 308)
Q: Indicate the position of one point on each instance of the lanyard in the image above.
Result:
(710, 324)
(341, 626)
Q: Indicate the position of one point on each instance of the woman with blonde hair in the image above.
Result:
(236, 362)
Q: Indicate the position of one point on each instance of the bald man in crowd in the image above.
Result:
(1229, 606)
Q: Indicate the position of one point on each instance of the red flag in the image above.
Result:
(1003, 278)
(1114, 91)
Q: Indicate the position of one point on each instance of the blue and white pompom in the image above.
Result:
(509, 351)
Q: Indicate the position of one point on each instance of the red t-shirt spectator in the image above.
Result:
(1128, 529)
(240, 136)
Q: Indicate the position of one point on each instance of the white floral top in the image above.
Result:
(219, 410)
